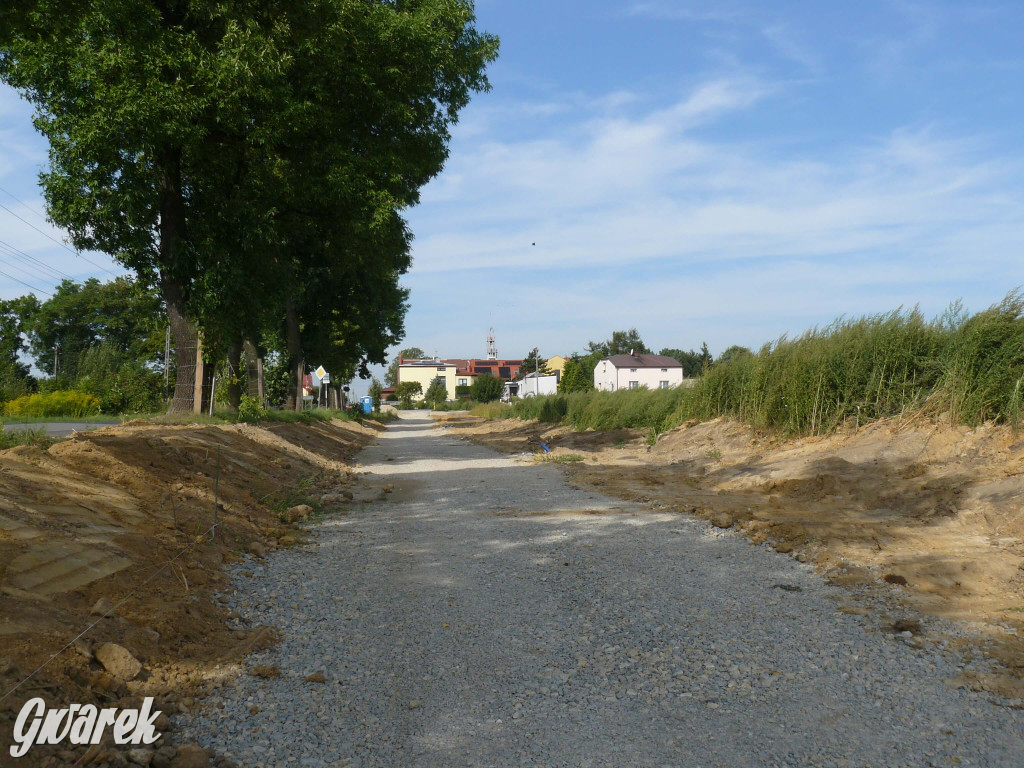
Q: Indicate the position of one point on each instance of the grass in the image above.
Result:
(101, 418)
(9, 438)
(561, 458)
(966, 368)
(300, 493)
(223, 416)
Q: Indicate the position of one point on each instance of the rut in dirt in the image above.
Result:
(485, 613)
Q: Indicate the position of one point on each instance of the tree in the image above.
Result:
(691, 361)
(705, 357)
(735, 352)
(188, 139)
(575, 377)
(409, 353)
(621, 343)
(15, 318)
(486, 388)
(533, 362)
(406, 391)
(375, 392)
(121, 314)
(437, 392)
(178, 76)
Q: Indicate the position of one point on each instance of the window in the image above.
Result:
(634, 385)
(664, 370)
(463, 382)
(662, 385)
(441, 370)
(632, 370)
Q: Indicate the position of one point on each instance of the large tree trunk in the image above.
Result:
(183, 328)
(254, 373)
(186, 347)
(294, 341)
(235, 372)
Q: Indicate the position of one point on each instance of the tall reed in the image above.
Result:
(968, 367)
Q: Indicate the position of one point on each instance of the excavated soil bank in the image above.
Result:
(120, 519)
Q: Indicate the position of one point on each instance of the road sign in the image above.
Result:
(321, 373)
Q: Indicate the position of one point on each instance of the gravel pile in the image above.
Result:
(487, 614)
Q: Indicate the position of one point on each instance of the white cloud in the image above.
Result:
(651, 219)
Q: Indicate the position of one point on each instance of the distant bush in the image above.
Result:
(486, 388)
(65, 403)
(120, 386)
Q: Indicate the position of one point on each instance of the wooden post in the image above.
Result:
(197, 392)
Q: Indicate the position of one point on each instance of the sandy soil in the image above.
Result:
(100, 516)
(927, 513)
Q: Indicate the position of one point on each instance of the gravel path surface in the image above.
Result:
(487, 614)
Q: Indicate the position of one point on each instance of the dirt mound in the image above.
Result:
(927, 512)
(123, 518)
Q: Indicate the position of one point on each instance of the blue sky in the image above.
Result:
(725, 171)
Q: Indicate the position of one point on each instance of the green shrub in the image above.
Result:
(65, 403)
(486, 388)
(251, 410)
(119, 385)
(12, 437)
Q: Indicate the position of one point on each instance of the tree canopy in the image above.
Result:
(486, 388)
(252, 160)
(410, 353)
(533, 362)
(621, 343)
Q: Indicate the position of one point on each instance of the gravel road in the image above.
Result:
(488, 614)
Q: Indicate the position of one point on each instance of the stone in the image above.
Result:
(287, 541)
(191, 756)
(907, 625)
(257, 548)
(84, 647)
(140, 756)
(298, 512)
(784, 548)
(316, 677)
(102, 607)
(414, 704)
(118, 661)
(721, 520)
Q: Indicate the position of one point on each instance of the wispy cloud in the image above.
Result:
(682, 11)
(651, 207)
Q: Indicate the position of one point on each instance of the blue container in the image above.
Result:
(367, 404)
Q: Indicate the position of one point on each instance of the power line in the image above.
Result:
(22, 282)
(24, 205)
(20, 255)
(51, 237)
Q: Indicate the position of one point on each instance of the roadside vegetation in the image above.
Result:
(969, 368)
(11, 438)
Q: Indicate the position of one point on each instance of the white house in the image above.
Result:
(633, 371)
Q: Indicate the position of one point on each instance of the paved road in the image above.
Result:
(59, 428)
(488, 614)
